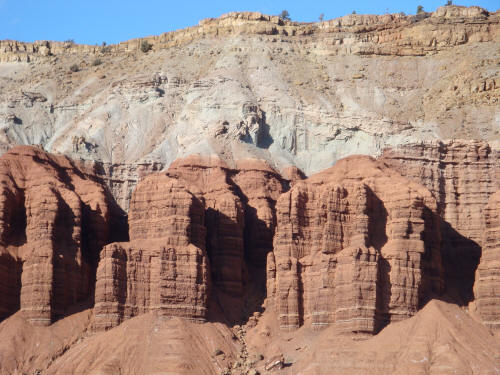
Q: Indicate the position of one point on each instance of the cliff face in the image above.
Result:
(164, 267)
(356, 245)
(486, 286)
(390, 34)
(250, 85)
(462, 175)
(363, 244)
(54, 221)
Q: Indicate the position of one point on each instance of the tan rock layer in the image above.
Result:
(390, 34)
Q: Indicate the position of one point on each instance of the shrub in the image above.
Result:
(74, 68)
(354, 12)
(448, 3)
(145, 46)
(420, 9)
(97, 61)
(321, 17)
(69, 41)
(285, 15)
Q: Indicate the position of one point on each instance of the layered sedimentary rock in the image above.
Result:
(461, 175)
(54, 219)
(372, 34)
(164, 268)
(209, 180)
(260, 186)
(122, 178)
(487, 280)
(356, 245)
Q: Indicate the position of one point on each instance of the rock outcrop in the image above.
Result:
(356, 245)
(54, 219)
(487, 280)
(164, 268)
(248, 85)
(461, 175)
(260, 186)
(209, 180)
(389, 34)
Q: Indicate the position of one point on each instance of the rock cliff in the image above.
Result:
(164, 268)
(250, 85)
(461, 175)
(356, 245)
(54, 221)
(201, 213)
(486, 290)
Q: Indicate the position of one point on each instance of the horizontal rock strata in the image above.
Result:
(164, 268)
(461, 175)
(54, 219)
(487, 281)
(390, 34)
(356, 245)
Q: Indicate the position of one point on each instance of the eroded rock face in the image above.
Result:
(461, 175)
(54, 220)
(164, 268)
(356, 245)
(487, 281)
(209, 180)
(260, 186)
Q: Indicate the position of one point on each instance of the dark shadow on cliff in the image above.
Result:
(257, 243)
(377, 231)
(96, 232)
(264, 139)
(460, 259)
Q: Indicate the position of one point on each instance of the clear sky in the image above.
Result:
(111, 21)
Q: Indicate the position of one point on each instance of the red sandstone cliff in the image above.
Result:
(54, 219)
(461, 175)
(164, 268)
(356, 245)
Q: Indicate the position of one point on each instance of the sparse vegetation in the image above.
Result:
(420, 9)
(74, 68)
(321, 17)
(285, 15)
(448, 3)
(146, 46)
(105, 48)
(69, 41)
(97, 61)
(354, 12)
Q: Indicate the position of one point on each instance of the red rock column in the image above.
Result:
(487, 283)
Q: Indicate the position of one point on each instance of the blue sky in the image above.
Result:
(112, 21)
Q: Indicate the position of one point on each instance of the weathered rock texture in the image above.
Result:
(250, 85)
(164, 268)
(356, 245)
(461, 175)
(389, 34)
(197, 202)
(122, 178)
(240, 212)
(209, 179)
(260, 186)
(54, 219)
(487, 282)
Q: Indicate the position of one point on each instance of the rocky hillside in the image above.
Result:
(247, 84)
(267, 269)
(208, 216)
